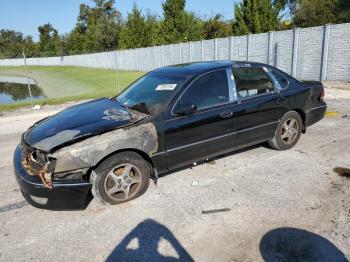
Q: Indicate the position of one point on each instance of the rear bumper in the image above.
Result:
(64, 195)
(315, 114)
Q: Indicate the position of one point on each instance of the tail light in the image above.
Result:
(322, 94)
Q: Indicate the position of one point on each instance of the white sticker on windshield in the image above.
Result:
(166, 87)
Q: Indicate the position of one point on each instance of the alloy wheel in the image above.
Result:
(123, 182)
(289, 131)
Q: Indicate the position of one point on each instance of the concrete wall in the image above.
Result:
(316, 53)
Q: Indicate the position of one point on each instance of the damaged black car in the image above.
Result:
(169, 118)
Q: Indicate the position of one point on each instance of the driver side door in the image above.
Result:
(208, 130)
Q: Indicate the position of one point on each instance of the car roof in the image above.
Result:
(192, 69)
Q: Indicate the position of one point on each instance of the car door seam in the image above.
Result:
(218, 137)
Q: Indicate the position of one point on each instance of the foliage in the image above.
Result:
(139, 31)
(255, 16)
(97, 29)
(342, 9)
(320, 12)
(216, 28)
(50, 41)
(100, 27)
(290, 6)
(179, 25)
(13, 43)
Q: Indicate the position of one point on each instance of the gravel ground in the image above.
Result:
(282, 205)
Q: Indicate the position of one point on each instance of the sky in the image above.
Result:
(26, 15)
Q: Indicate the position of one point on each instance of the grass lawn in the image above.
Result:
(67, 83)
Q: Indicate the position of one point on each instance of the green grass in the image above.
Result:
(62, 84)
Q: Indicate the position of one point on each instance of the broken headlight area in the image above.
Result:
(80, 174)
(36, 163)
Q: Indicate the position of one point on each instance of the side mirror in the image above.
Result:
(185, 109)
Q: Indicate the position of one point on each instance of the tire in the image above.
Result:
(287, 138)
(120, 178)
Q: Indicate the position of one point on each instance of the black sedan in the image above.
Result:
(169, 118)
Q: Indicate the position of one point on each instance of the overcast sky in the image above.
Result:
(26, 15)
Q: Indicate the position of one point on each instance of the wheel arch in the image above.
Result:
(143, 154)
(303, 117)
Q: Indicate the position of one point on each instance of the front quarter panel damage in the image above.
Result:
(89, 152)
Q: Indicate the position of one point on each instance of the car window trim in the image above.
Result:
(195, 79)
(265, 70)
(269, 71)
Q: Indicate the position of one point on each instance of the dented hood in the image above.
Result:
(74, 123)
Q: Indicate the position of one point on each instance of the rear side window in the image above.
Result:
(252, 81)
(208, 90)
(281, 79)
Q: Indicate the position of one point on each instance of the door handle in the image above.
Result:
(281, 100)
(226, 114)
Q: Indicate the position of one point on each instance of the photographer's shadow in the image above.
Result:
(148, 235)
(292, 244)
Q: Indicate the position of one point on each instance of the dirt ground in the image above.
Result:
(279, 206)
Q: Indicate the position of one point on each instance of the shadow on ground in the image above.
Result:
(291, 244)
(148, 235)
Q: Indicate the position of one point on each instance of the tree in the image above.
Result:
(255, 16)
(50, 42)
(97, 28)
(194, 30)
(286, 5)
(139, 31)
(320, 12)
(215, 27)
(342, 10)
(315, 13)
(13, 43)
(179, 25)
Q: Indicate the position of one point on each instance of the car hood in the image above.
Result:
(74, 123)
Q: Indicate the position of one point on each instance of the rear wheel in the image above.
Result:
(288, 131)
(120, 178)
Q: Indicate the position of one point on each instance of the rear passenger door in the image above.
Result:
(258, 110)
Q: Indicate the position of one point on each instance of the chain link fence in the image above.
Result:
(29, 85)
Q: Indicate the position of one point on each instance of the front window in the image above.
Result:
(208, 90)
(154, 90)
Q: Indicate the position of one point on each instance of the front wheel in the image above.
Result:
(288, 131)
(120, 178)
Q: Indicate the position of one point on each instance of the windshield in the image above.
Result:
(155, 90)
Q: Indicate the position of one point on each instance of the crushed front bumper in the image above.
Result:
(64, 195)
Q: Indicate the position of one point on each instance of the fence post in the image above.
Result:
(215, 49)
(171, 54)
(162, 55)
(29, 89)
(231, 48)
(202, 50)
(295, 51)
(117, 71)
(180, 45)
(270, 49)
(275, 56)
(155, 56)
(249, 46)
(148, 59)
(190, 52)
(325, 49)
